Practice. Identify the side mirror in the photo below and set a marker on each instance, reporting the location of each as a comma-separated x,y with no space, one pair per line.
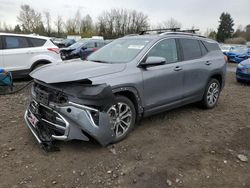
153,61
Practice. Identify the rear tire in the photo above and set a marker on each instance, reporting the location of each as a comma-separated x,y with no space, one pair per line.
122,117
211,95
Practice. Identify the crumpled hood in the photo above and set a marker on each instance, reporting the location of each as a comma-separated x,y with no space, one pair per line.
75,71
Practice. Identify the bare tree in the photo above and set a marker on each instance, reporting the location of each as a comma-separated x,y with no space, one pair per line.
119,22
87,26
171,23
59,25
72,25
29,19
48,22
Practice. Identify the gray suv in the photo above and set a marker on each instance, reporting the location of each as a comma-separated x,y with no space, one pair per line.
130,78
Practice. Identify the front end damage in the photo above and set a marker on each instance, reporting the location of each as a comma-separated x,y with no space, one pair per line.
71,110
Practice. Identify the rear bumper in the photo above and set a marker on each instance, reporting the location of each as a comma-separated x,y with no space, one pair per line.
72,121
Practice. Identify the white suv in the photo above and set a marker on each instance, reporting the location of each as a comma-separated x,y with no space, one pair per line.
21,54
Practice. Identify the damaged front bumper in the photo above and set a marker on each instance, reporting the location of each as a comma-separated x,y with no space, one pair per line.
49,121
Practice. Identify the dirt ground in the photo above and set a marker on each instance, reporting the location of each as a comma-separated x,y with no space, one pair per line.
186,147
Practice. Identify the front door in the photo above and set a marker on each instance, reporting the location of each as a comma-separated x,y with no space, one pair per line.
163,84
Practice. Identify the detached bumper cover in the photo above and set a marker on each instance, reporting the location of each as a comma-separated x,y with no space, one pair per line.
68,113
72,121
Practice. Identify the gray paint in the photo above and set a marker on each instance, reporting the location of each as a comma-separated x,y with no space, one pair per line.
157,88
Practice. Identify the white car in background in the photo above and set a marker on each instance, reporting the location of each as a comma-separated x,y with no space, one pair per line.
226,48
21,54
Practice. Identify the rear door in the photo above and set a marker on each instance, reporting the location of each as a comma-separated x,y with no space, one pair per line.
17,53
163,84
195,70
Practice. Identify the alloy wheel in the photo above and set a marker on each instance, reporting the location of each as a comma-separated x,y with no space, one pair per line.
212,94
120,118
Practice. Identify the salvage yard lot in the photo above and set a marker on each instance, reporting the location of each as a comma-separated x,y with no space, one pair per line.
185,147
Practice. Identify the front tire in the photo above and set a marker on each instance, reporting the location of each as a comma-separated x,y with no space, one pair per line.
211,95
122,117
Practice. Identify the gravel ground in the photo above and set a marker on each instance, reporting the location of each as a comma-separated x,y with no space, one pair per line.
186,147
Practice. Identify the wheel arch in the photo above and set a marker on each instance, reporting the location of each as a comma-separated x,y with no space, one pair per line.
132,94
39,62
218,77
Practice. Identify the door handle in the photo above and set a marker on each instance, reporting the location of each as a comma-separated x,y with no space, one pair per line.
208,63
178,68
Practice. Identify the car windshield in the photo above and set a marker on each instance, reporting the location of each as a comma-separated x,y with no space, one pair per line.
119,51
78,44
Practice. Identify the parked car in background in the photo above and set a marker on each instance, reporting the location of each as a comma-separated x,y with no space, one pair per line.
86,50
81,49
62,43
238,54
68,42
243,71
132,77
21,54
226,48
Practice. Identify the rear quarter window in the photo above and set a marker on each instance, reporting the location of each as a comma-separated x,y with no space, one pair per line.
211,46
190,49
37,42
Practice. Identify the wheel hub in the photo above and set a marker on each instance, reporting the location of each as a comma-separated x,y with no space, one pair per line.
120,116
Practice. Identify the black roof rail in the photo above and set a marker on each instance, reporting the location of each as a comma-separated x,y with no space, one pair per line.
130,35
183,33
190,30
158,31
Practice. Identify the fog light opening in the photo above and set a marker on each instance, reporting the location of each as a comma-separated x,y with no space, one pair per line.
69,110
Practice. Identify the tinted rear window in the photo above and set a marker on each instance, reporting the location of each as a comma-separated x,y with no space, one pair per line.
190,48
37,42
1,46
211,46
13,42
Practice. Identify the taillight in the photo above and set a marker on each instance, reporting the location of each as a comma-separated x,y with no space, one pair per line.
226,59
94,49
56,50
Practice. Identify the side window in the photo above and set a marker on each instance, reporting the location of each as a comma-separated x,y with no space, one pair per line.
90,45
211,46
203,48
190,49
100,44
12,42
1,44
37,42
165,48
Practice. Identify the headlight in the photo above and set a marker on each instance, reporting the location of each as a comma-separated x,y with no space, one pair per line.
240,66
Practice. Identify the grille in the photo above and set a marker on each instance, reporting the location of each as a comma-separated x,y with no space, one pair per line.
48,118
44,94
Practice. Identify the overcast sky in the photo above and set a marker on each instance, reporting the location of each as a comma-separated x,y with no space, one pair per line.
200,13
